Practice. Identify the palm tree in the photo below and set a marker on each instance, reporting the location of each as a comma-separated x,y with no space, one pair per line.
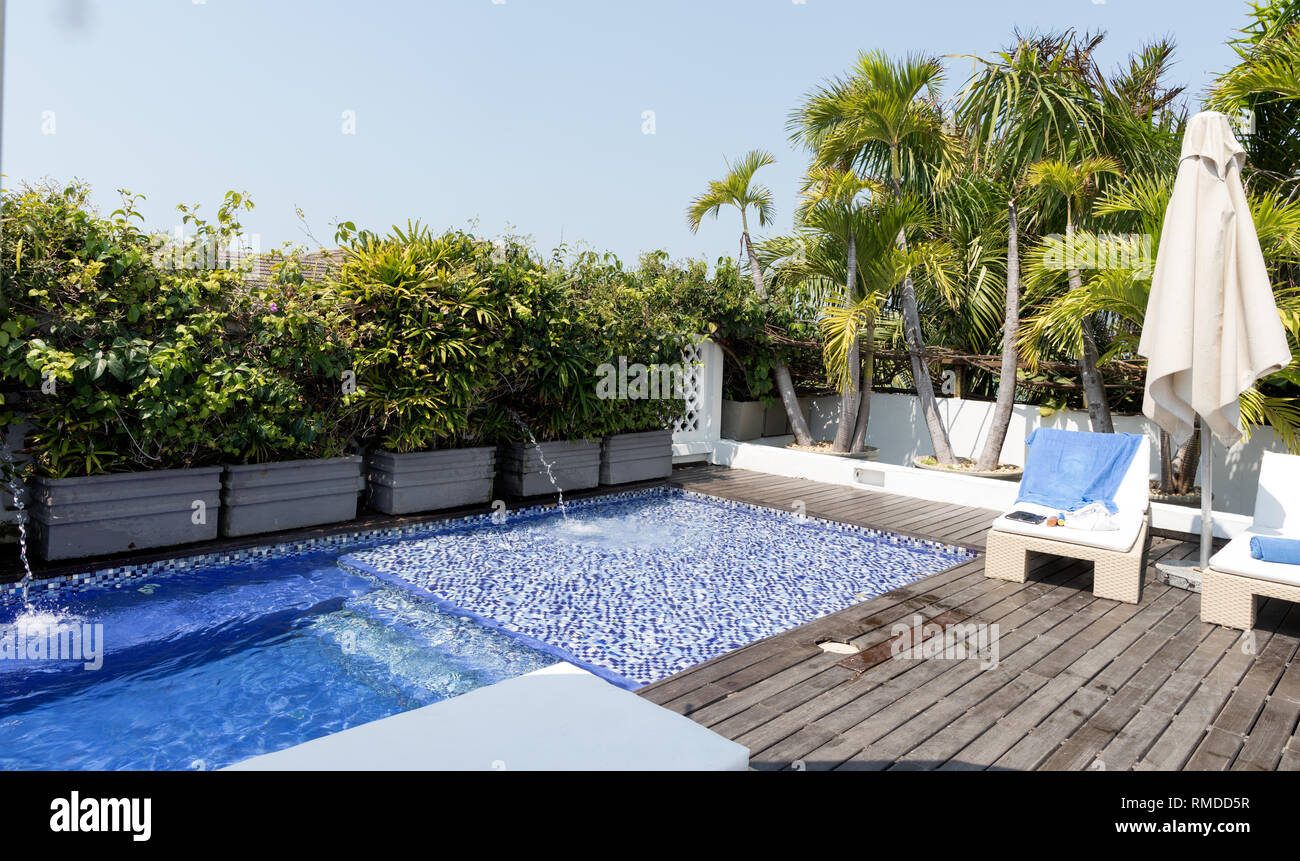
1266,82
1120,287
1006,400
738,189
1075,182
885,121
831,199
815,261
1028,102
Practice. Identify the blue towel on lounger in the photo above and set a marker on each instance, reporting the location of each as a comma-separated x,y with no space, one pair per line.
1284,550
1067,470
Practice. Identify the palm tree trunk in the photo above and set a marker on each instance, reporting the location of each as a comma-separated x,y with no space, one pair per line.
1094,389
1166,463
1189,458
921,376
784,384
988,459
850,397
864,399
755,273
920,371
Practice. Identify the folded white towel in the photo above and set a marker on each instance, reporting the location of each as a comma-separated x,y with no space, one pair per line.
1093,517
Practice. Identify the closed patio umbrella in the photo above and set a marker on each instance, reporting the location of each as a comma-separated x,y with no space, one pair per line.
1212,327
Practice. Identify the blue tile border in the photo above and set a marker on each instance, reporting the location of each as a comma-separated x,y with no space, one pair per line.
120,576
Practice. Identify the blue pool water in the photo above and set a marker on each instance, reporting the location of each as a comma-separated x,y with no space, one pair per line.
210,661
210,667
644,586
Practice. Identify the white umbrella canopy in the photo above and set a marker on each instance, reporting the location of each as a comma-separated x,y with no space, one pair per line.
1212,327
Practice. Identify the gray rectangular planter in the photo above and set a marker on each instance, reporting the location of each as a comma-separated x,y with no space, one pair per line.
636,457
777,423
268,497
824,418
742,420
574,463
430,480
74,517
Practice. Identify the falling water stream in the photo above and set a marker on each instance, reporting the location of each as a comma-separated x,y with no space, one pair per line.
15,487
541,455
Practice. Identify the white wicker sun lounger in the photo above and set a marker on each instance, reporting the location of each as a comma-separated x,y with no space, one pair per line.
1118,555
1235,578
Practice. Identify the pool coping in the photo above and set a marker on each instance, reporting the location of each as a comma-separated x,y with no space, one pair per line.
556,718
115,577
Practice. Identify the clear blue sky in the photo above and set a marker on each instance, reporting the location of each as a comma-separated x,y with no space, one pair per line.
523,114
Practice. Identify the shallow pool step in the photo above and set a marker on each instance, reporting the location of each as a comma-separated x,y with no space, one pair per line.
398,644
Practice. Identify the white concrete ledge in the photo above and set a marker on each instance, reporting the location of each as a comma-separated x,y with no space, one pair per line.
561,718
768,456
692,452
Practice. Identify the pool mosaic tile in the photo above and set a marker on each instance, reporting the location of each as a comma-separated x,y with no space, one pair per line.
642,585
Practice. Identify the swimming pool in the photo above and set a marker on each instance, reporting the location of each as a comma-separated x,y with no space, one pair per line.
226,662
211,660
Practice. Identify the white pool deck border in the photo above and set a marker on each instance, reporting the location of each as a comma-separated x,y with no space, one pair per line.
560,718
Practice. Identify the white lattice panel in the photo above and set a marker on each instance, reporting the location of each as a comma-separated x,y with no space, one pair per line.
686,427
696,430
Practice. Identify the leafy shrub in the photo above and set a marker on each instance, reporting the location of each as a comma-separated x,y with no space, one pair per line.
434,316
754,334
629,319
554,351
123,363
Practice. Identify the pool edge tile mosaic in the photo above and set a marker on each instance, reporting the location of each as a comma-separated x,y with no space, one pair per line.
113,576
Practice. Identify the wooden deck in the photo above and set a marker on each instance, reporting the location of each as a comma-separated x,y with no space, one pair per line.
1082,683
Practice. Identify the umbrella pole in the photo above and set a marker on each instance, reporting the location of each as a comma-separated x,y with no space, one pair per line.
1207,496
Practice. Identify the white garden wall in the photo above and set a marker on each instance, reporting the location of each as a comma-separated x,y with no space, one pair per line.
898,430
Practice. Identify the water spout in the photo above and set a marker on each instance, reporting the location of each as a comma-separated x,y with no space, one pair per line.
15,488
550,474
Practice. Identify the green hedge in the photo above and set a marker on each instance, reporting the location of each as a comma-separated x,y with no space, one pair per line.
123,361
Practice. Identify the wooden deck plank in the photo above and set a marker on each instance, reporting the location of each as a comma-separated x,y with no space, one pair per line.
1275,728
764,694
991,695
830,689
1028,698
1081,682
923,683
1132,677
1152,716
